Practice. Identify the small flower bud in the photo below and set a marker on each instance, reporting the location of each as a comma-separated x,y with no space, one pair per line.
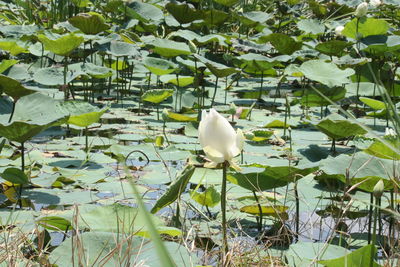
232,109
361,10
375,3
338,30
390,132
378,189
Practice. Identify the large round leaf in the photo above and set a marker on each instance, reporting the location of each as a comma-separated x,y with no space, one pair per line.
339,128
106,249
168,48
157,95
333,47
180,81
81,114
13,87
89,23
183,13
21,132
144,12
12,46
364,170
122,218
159,66
325,73
55,76
365,27
270,178
282,42
63,45
15,176
7,63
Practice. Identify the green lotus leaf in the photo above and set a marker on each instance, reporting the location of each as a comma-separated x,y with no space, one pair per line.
381,150
311,98
312,26
13,88
89,23
254,17
282,42
6,64
55,223
339,128
333,47
122,49
364,170
20,131
183,13
210,197
81,114
214,17
175,189
359,257
273,211
159,66
55,76
157,95
364,27
15,176
227,3
373,103
269,178
143,12
180,81
168,48
13,47
95,71
103,245
325,73
63,45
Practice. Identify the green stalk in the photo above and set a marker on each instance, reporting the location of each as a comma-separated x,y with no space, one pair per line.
296,193
259,221
261,87
22,156
65,79
223,210
371,204
215,92
377,200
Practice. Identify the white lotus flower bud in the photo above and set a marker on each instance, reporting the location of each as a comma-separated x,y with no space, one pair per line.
218,139
361,10
390,132
338,30
375,3
378,189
